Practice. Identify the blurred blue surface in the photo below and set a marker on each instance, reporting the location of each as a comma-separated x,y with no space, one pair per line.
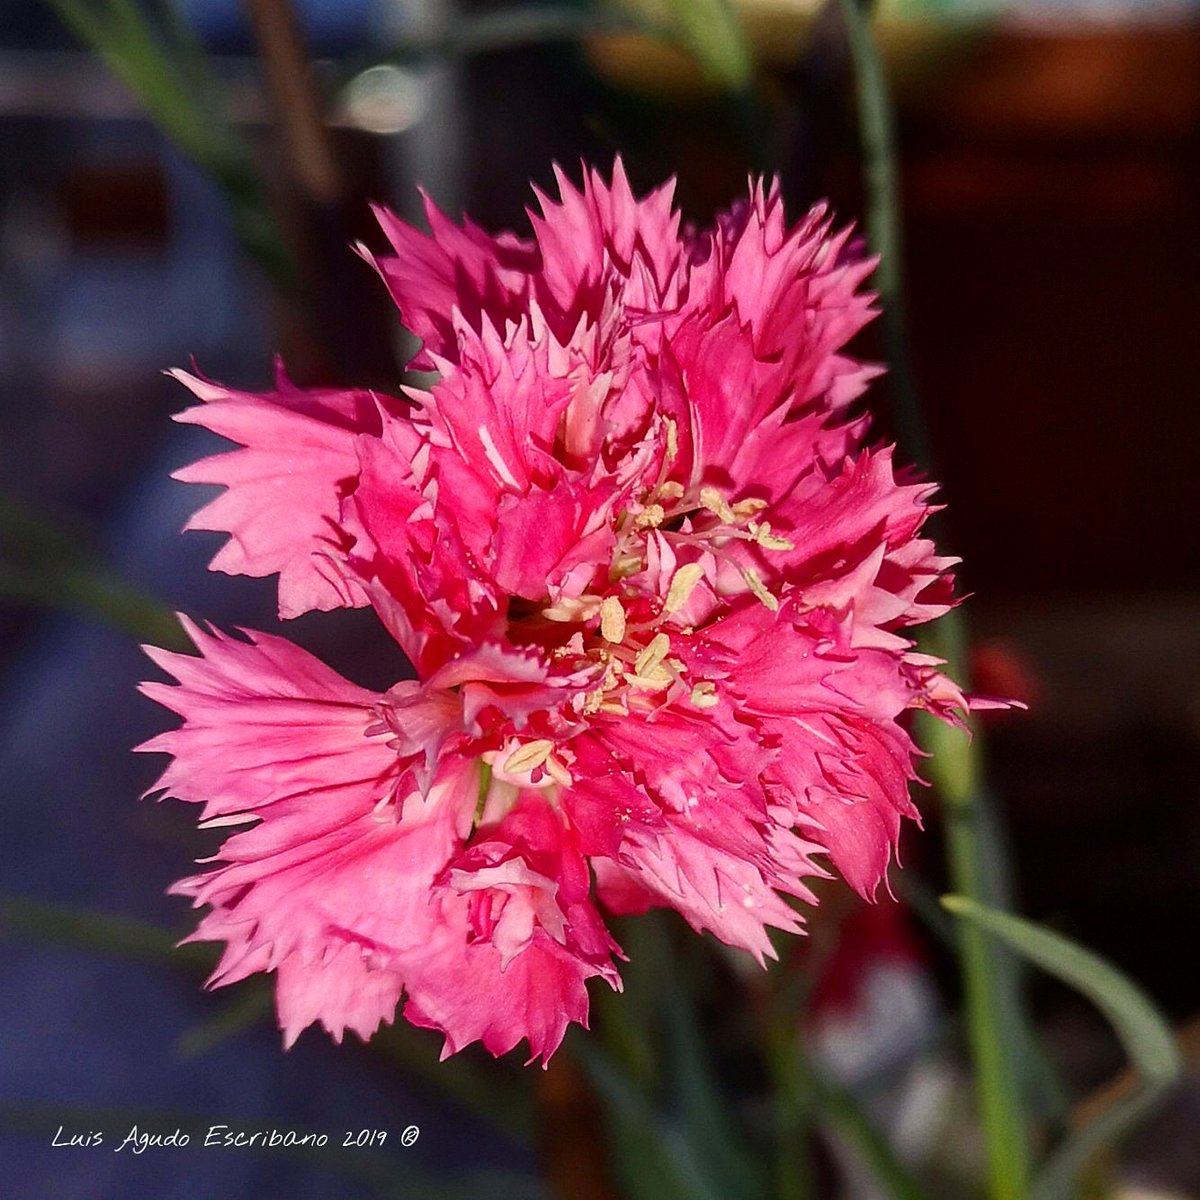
84,427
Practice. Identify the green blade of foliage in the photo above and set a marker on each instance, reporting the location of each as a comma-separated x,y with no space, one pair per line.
804,1096
993,999
793,1122
510,28
652,1157
708,31
696,1093
664,1087
1143,1032
1058,1177
488,1089
83,929
844,1116
94,593
253,1003
42,565
169,75
712,31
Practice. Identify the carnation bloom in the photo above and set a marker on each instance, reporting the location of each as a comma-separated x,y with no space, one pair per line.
655,588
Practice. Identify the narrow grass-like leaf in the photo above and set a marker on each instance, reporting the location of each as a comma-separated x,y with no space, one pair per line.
653,1158
488,1090
84,929
43,565
707,1122
1143,1032
253,1003
503,1103
167,72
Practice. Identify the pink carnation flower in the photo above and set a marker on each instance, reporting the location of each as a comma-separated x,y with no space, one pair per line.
656,590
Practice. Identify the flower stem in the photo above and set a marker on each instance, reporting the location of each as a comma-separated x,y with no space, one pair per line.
954,770
976,858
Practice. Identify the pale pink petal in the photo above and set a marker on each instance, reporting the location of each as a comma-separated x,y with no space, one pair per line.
284,487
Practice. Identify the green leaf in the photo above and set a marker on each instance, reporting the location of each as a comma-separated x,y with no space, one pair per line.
1143,1032
710,1127
506,29
652,1157
669,1127
170,76
841,1112
485,1087
712,31
42,565
84,929
253,1002
488,1091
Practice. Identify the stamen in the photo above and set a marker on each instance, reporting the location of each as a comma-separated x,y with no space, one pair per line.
528,757
704,694
651,517
612,620
766,539
717,504
657,680
749,506
672,440
683,583
558,772
658,649
755,584
573,608
624,565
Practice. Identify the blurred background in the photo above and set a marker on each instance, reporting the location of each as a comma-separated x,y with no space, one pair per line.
1051,196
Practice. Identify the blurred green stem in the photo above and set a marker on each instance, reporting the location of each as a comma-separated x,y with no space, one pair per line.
877,134
805,1096
793,1123
975,856
954,772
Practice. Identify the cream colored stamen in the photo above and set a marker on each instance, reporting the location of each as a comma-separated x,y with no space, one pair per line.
766,539
749,507
657,680
672,441
683,583
573,608
612,620
704,694
658,649
755,584
717,504
528,757
558,772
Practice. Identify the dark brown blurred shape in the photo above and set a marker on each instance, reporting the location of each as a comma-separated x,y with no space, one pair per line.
1053,194
124,202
